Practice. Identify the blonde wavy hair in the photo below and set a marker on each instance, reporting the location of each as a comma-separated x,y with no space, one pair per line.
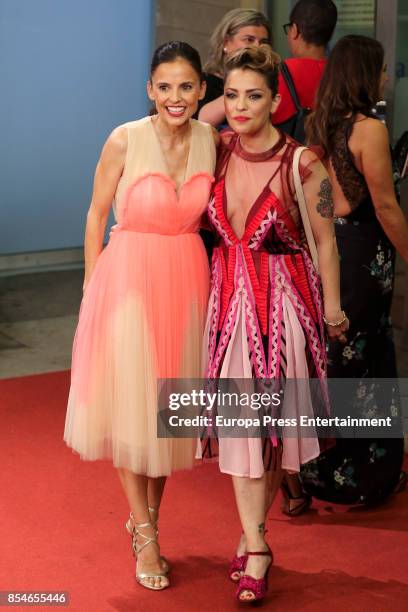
230,24
259,59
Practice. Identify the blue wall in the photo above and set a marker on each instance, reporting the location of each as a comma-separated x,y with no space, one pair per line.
70,71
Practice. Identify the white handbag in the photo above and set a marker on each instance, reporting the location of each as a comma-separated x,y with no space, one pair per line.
303,207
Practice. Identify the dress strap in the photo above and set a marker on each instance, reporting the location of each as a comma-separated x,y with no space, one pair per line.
303,207
227,145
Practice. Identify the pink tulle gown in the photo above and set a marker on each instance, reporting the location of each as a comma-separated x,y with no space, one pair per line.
143,312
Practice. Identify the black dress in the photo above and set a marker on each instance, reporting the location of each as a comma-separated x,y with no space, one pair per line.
215,89
361,471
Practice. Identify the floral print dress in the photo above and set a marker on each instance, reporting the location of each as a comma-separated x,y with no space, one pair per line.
361,470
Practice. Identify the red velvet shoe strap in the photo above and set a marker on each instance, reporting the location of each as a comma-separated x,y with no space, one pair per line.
238,564
257,586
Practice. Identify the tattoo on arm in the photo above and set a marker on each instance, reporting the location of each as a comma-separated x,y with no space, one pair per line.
325,205
261,527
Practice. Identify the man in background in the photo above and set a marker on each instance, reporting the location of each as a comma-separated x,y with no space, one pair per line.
310,28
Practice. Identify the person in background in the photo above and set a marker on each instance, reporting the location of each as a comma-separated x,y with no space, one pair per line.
370,226
238,28
309,30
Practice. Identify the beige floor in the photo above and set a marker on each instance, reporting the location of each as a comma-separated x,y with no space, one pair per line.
43,346
38,317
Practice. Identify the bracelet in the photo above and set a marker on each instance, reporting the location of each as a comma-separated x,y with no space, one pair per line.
337,323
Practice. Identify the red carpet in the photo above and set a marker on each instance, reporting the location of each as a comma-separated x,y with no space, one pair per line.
62,529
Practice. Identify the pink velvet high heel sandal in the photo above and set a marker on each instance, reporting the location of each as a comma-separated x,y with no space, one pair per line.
238,564
257,586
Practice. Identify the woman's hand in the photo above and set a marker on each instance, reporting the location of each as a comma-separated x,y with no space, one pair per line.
337,325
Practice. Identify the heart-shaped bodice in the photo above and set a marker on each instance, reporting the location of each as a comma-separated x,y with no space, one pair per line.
147,199
151,204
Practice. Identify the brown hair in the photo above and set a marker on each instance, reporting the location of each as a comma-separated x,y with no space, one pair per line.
259,59
230,24
350,85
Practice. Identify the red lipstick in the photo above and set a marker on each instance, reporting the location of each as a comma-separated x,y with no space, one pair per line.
241,118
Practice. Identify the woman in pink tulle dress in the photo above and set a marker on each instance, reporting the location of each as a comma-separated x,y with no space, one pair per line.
268,307
145,295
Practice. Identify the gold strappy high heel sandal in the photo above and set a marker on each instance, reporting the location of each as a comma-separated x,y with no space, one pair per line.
142,577
129,525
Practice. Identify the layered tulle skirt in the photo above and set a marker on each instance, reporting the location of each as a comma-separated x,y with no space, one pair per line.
141,319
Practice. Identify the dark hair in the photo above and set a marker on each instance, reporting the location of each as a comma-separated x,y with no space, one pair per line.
350,85
315,19
259,59
171,51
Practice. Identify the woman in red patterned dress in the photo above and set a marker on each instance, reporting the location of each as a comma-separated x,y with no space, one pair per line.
268,307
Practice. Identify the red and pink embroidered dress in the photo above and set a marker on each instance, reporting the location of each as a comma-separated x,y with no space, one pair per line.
265,309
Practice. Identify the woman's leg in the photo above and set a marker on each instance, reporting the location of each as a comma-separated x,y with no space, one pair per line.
136,489
155,488
273,482
295,500
250,495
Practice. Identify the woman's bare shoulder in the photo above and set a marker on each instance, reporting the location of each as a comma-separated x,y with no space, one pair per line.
370,129
310,162
208,128
226,136
369,138
115,146
118,137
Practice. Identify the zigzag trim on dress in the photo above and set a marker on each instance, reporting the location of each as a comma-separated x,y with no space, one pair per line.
307,323
263,229
252,325
215,221
275,320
